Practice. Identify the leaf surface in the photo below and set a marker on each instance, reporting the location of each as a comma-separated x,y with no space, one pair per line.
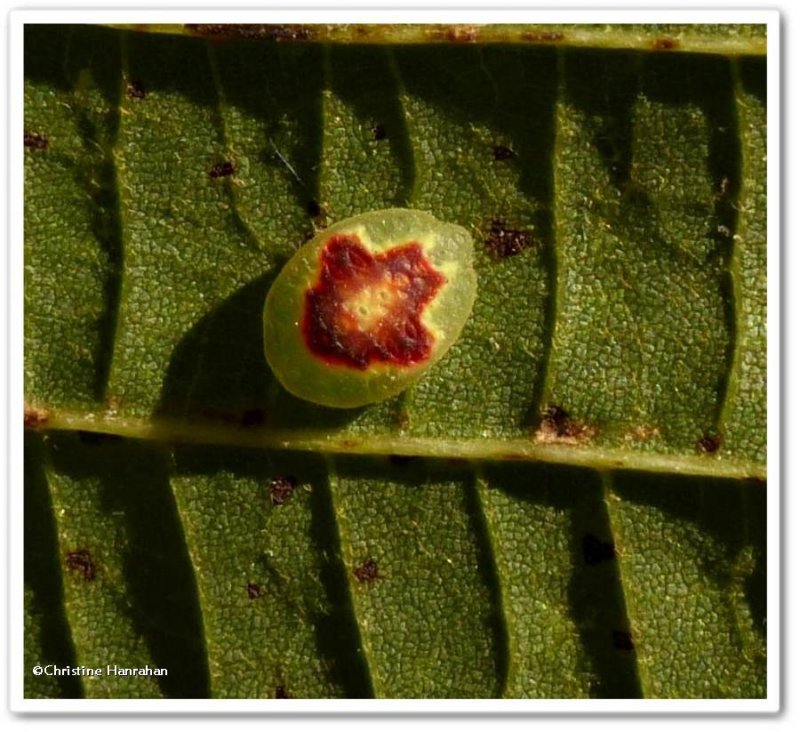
570,504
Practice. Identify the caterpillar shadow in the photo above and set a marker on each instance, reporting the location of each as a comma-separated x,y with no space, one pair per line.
218,372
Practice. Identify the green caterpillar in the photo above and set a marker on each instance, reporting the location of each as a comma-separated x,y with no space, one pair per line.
367,306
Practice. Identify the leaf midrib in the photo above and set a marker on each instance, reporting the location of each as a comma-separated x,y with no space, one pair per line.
610,37
200,432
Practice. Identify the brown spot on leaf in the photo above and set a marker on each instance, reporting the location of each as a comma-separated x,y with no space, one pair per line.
36,141
504,241
453,33
556,425
665,44
642,433
278,32
35,417
556,419
253,590
81,561
221,170
367,571
709,443
281,488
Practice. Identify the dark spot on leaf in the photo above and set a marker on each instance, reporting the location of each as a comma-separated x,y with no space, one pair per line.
503,241
367,572
253,418
35,417
281,488
557,425
135,90
710,443
81,561
222,170
254,30
379,132
549,36
290,33
35,140
622,640
665,44
453,33
595,550
96,438
281,693
501,152
253,590
556,418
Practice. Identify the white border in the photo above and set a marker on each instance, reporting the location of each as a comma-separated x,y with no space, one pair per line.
327,14
367,15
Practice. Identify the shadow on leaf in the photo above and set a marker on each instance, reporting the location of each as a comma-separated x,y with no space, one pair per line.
218,372
159,594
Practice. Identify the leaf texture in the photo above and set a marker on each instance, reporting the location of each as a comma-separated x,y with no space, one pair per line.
571,504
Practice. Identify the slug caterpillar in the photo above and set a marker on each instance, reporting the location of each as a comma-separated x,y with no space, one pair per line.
366,307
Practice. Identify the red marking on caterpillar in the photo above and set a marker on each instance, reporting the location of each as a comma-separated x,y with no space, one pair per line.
363,310
366,308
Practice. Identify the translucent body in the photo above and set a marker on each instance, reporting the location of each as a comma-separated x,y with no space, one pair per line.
367,306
